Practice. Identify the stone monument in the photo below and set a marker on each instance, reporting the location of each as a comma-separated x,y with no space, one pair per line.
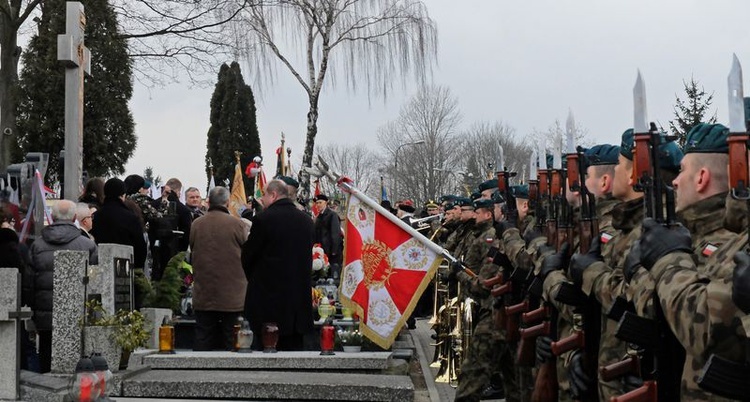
10,330
77,60
113,277
67,309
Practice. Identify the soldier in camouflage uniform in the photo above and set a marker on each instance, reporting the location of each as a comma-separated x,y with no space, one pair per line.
466,218
701,190
601,275
513,232
483,350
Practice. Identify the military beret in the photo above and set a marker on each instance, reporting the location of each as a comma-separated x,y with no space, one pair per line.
475,195
484,203
430,204
521,191
320,197
627,143
406,206
488,185
497,198
464,202
448,198
449,205
602,154
707,138
551,161
289,181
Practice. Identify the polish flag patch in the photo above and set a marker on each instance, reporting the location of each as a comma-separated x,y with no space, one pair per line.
709,249
605,237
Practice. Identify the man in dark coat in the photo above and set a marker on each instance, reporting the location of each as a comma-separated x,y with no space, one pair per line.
115,223
277,259
328,234
61,235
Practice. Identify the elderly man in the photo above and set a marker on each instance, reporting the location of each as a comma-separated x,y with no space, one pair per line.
61,235
277,259
216,241
84,218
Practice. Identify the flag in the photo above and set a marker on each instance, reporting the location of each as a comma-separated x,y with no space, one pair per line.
238,198
387,266
260,184
383,194
315,210
280,161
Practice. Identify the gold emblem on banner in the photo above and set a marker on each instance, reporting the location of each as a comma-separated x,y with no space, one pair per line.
376,264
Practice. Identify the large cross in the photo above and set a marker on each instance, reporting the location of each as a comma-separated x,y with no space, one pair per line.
77,60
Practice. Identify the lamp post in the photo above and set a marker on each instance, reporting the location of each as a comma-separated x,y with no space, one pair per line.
395,165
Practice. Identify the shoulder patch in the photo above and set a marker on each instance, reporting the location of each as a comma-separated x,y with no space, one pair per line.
709,249
605,237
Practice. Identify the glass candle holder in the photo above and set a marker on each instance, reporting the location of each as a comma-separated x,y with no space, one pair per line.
270,337
166,339
235,332
245,338
327,337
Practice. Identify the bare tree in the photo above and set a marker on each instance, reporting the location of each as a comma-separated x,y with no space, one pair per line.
554,137
377,42
166,38
481,151
357,162
417,170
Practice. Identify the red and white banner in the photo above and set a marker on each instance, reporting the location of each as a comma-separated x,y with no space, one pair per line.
387,266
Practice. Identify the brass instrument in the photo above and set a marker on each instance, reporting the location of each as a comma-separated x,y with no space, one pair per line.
423,224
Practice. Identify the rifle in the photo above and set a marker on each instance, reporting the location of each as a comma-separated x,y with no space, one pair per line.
503,183
654,335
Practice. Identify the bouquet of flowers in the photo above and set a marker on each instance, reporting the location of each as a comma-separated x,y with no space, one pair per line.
320,262
351,337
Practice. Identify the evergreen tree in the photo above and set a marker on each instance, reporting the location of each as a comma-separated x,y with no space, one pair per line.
148,174
690,111
108,130
233,126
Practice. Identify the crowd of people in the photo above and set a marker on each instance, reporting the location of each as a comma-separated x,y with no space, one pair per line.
257,266
686,276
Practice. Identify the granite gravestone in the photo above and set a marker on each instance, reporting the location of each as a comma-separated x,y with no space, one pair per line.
113,277
10,327
67,309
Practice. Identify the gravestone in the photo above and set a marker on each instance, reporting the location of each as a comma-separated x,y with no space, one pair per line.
67,309
113,277
10,353
77,60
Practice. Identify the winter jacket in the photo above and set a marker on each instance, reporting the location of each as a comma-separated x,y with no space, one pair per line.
328,234
115,223
58,236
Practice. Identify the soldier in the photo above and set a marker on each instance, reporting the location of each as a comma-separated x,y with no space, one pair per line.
518,226
487,188
701,190
455,241
484,349
602,275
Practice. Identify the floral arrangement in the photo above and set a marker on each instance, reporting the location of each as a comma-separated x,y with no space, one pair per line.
319,259
351,337
132,331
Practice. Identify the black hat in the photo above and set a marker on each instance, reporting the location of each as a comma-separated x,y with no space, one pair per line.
484,203
487,185
406,206
290,181
133,183
320,197
114,188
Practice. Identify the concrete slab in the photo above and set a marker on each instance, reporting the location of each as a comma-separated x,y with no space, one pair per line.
189,360
278,385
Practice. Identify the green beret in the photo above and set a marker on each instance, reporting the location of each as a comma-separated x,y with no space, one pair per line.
488,185
484,203
497,198
551,161
448,198
475,195
670,156
449,205
289,181
707,138
464,202
602,154
521,191
627,144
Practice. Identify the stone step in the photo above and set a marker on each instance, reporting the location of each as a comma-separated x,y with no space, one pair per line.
268,385
283,361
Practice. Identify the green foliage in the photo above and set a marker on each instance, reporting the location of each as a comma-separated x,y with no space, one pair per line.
166,292
148,174
131,332
233,126
108,133
691,111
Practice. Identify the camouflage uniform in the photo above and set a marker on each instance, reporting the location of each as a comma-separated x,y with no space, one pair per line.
486,347
521,254
606,282
695,293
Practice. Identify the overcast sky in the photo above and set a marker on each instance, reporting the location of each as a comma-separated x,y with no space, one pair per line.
523,62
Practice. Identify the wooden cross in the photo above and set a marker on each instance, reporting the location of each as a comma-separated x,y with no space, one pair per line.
77,60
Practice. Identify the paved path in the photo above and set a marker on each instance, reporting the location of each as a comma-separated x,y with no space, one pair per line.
439,392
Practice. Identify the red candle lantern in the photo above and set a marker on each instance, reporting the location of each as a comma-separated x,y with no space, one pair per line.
327,337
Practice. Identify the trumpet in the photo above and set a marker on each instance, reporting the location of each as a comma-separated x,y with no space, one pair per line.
421,224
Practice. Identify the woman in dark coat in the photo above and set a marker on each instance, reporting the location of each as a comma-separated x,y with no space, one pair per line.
277,259
115,223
